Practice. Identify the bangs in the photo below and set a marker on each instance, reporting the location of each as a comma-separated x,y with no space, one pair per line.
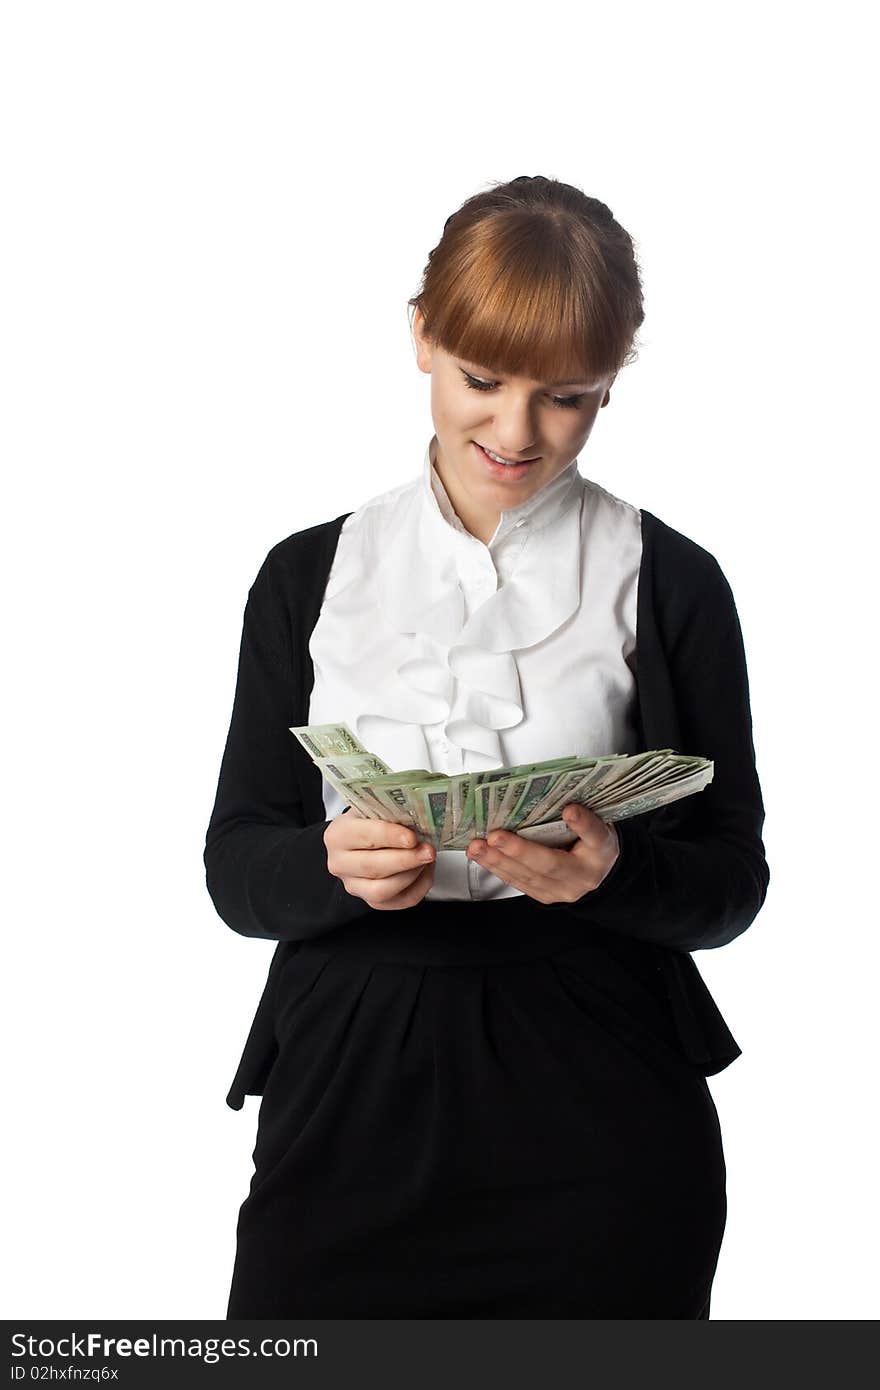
530,309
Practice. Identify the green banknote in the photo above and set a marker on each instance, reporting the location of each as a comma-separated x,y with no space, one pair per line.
450,811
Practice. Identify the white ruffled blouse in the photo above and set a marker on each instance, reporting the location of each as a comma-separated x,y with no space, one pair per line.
444,653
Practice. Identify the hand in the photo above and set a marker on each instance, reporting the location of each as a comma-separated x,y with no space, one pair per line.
552,875
385,864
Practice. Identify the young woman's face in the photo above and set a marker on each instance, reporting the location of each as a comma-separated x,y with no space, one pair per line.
515,417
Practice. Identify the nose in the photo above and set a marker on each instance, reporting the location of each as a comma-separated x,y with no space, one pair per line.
514,430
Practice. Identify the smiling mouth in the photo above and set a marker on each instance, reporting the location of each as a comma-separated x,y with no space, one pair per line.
499,458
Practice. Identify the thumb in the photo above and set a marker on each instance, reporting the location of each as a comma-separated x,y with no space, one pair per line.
582,820
596,834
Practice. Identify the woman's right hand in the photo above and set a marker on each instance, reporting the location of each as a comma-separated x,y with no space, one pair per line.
385,864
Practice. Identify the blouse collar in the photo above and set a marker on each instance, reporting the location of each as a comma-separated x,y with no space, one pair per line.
423,555
458,669
535,512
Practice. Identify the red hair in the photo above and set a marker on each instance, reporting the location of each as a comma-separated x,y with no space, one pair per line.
533,277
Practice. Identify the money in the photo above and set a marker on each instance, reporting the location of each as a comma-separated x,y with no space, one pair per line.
450,811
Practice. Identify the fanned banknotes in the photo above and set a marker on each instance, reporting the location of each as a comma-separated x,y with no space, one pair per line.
450,811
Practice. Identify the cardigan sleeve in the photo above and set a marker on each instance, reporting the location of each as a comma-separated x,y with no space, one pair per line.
266,869
693,874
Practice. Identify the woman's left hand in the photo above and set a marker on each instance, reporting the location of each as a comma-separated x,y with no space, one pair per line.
552,875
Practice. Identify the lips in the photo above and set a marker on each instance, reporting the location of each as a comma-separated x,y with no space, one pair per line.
504,456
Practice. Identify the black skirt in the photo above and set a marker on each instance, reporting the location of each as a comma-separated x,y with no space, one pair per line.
477,1111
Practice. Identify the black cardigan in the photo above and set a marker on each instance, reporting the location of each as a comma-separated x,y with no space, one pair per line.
690,876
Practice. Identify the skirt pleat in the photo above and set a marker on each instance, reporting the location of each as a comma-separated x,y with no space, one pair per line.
477,1112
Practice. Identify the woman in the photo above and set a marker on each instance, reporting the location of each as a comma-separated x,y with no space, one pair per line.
483,1072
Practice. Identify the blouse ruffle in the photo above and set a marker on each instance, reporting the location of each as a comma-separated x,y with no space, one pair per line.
421,660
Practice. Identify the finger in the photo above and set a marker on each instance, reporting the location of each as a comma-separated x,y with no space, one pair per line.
364,832
410,893
386,863
388,886
589,827
518,861
598,844
537,858
533,859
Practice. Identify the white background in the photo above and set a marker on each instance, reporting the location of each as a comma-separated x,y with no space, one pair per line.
214,216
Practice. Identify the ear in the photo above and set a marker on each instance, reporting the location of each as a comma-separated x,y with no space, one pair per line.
607,397
422,341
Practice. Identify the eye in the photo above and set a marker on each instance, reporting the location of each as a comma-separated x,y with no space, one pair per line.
477,384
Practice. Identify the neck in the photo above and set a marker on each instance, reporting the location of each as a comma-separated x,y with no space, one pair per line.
478,521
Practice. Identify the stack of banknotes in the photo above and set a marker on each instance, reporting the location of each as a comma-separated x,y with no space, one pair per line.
450,811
